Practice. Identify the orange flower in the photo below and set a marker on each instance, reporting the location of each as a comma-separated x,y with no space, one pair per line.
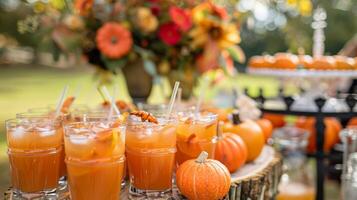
113,40
83,6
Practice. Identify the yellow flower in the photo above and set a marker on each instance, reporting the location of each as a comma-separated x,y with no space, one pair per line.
292,2
39,7
145,20
57,4
199,12
305,7
224,33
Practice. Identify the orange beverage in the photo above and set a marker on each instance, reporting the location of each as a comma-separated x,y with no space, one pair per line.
196,133
47,113
94,159
150,150
295,191
34,150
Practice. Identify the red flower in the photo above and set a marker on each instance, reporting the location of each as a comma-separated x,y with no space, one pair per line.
169,33
181,18
155,9
113,40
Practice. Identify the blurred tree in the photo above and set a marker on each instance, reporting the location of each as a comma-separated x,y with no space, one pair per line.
8,23
269,26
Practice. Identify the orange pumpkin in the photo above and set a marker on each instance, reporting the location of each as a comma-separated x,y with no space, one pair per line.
305,61
332,129
231,151
343,62
203,178
266,126
222,113
352,122
261,62
286,61
276,119
251,134
323,63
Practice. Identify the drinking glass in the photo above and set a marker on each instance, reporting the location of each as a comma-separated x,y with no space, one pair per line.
150,150
34,151
62,119
349,173
95,159
196,132
296,182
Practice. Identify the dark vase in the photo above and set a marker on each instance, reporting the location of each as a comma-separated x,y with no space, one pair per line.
138,81
188,80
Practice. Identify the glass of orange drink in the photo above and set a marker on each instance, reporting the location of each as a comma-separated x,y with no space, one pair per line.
34,151
95,159
63,118
150,151
196,132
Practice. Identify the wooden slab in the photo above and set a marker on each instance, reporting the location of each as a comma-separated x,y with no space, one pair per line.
256,180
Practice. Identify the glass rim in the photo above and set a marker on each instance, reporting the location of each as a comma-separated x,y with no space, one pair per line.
350,131
162,119
88,127
14,122
302,133
208,115
32,115
101,115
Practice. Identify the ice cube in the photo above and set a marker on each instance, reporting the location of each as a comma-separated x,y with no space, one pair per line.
18,132
80,139
45,131
145,134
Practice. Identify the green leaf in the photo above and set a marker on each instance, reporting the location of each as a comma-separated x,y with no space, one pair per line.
150,67
236,53
114,64
56,52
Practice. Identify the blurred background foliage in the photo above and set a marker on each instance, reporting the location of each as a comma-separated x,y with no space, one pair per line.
268,26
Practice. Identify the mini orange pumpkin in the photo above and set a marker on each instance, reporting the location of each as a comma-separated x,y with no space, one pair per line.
251,134
343,62
323,63
276,119
286,61
231,151
332,129
305,61
261,62
352,122
203,178
266,126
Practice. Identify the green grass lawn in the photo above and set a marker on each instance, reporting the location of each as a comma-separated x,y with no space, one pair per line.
24,87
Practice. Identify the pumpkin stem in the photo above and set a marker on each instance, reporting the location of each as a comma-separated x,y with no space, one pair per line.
220,129
202,157
235,116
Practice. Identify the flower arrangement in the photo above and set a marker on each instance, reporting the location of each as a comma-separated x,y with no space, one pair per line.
169,36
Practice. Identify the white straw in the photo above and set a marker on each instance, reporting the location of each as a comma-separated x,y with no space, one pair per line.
179,96
173,98
61,100
112,102
200,97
